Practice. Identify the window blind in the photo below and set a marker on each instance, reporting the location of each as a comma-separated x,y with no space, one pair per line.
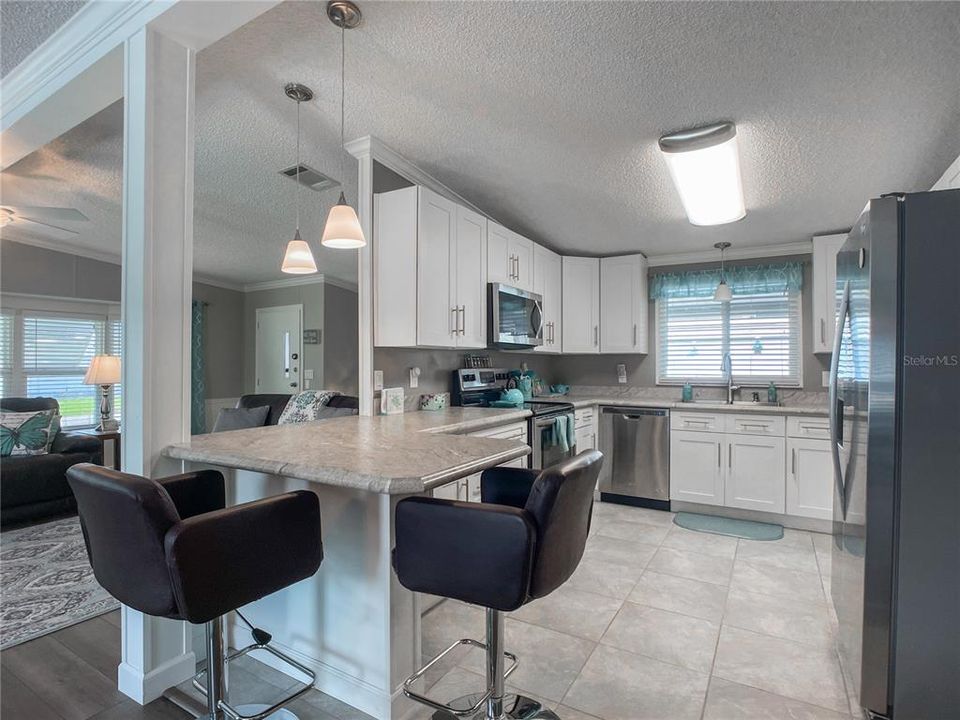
6,351
762,333
115,347
57,350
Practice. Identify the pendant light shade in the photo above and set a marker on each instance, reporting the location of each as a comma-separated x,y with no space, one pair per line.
298,259
723,292
343,231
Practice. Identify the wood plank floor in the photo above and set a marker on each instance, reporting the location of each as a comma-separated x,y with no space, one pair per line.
71,675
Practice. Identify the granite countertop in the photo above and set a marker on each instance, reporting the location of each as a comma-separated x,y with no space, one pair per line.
391,454
580,401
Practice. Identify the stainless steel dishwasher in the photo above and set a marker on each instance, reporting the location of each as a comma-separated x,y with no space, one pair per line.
635,443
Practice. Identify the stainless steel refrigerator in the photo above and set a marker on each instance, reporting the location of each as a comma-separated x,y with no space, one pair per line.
895,426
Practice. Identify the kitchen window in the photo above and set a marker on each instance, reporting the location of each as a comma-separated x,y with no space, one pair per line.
46,353
760,328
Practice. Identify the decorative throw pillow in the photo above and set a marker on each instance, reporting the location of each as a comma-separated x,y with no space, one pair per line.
326,412
240,418
28,433
304,406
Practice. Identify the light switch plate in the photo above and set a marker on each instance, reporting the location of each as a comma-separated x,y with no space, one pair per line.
378,379
414,377
308,373
825,378
622,374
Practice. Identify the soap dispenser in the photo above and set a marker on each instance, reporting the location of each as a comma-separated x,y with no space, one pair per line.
771,393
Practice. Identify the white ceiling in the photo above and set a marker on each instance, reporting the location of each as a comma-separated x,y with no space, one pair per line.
25,24
546,116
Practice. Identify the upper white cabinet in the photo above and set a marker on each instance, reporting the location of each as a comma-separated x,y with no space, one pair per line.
547,282
581,305
429,271
825,249
623,304
509,257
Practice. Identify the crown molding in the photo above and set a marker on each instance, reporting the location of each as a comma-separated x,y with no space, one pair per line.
217,282
803,247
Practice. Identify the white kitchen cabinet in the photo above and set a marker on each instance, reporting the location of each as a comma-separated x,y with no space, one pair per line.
581,305
547,282
471,280
623,304
696,472
825,249
809,487
450,491
429,272
585,428
509,257
754,467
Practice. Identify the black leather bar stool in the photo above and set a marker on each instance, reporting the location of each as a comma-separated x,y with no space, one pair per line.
170,548
521,542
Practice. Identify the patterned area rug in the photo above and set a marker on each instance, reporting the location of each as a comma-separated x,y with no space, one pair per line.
46,582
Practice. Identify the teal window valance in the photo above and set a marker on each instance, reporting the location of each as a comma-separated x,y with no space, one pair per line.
742,279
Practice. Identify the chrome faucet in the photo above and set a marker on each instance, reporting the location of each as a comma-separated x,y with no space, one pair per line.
726,367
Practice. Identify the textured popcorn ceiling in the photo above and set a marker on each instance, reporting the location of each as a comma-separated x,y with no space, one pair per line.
25,24
546,116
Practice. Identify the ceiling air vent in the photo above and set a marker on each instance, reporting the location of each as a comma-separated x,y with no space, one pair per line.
313,179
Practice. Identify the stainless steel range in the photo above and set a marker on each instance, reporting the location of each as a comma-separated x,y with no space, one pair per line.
480,387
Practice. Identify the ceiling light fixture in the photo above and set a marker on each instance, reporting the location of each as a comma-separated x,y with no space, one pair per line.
722,293
705,166
6,216
298,258
343,230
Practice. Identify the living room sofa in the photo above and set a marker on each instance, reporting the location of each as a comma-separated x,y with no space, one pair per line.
277,402
33,487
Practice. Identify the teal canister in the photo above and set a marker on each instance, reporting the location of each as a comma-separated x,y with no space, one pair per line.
525,385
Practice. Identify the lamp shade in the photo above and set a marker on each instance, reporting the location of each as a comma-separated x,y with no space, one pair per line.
723,293
343,230
103,370
298,259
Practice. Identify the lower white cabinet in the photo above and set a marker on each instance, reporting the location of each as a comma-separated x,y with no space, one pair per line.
809,478
696,469
753,472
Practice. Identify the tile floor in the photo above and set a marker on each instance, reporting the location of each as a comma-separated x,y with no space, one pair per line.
668,624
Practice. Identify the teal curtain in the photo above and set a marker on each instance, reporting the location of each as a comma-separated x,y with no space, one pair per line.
197,390
742,279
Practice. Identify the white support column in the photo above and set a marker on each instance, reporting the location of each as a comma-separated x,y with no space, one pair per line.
158,141
361,149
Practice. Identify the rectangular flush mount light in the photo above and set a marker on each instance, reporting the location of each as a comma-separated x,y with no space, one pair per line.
705,166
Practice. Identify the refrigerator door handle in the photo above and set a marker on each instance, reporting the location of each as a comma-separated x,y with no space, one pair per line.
836,403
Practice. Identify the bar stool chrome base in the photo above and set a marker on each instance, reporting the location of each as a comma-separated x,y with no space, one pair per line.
515,707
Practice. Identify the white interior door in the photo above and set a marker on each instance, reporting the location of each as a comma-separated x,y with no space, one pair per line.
279,349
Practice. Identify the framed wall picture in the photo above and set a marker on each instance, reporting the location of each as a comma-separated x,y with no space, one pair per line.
312,337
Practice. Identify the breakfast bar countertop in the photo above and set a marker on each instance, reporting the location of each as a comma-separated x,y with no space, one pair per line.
388,454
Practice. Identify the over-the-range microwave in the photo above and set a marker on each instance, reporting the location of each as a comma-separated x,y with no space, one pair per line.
515,317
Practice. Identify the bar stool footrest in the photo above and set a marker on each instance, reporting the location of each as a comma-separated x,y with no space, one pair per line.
435,704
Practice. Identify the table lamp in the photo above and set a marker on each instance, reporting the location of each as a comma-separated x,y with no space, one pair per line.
104,371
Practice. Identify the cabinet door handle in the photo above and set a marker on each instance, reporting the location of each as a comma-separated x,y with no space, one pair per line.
718,455
697,423
823,331
596,334
463,319
730,455
634,335
456,323
793,461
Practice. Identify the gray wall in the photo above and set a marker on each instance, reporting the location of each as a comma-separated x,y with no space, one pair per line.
641,369
341,340
223,340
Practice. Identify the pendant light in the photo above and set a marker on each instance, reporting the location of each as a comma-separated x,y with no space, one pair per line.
722,293
298,259
343,230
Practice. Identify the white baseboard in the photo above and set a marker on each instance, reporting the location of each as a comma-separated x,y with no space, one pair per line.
145,688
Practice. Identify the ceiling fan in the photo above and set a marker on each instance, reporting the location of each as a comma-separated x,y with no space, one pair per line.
49,221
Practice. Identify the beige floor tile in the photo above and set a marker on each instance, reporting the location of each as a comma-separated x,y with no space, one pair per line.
632,531
448,622
616,550
619,685
604,578
568,713
795,538
681,595
615,511
731,701
695,566
791,557
571,611
782,667
705,543
677,639
782,617
772,580
549,660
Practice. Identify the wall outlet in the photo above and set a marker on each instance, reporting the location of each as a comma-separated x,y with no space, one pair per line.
825,378
622,374
378,379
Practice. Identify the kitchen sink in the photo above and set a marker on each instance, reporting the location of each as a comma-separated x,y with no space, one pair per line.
736,403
